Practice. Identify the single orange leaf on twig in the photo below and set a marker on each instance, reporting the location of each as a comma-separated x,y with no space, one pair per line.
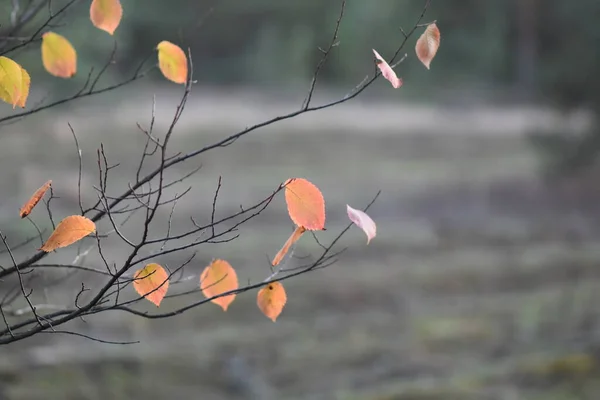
172,62
106,14
271,299
58,55
387,71
152,283
288,244
33,200
68,231
305,204
428,44
363,221
219,277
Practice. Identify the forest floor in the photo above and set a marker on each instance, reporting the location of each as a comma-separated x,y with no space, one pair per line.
482,283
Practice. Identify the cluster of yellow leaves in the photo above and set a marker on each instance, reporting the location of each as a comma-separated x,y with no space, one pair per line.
59,57
14,82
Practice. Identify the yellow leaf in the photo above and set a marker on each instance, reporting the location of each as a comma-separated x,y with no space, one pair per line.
151,282
219,277
172,62
288,243
25,84
58,55
271,299
14,82
68,231
33,200
106,14
305,204
428,44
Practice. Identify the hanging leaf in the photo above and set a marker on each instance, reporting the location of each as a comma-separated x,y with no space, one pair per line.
14,82
428,44
387,71
69,230
363,221
106,14
33,200
172,62
288,244
305,204
25,84
219,277
151,282
271,299
58,55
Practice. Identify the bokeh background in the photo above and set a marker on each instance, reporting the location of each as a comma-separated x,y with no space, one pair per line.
483,280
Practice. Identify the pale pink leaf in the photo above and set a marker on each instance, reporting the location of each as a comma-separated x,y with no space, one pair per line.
387,71
428,44
363,221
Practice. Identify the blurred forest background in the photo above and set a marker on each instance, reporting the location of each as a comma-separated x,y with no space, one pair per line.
483,282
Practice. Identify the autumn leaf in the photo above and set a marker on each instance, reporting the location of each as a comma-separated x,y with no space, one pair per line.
217,278
58,55
288,244
363,221
387,71
271,299
14,82
305,204
68,231
34,199
106,14
151,282
25,84
428,44
172,62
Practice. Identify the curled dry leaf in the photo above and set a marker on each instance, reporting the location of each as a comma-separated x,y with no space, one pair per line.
106,14
172,62
69,230
152,283
271,299
305,204
387,71
219,277
288,244
58,55
428,44
33,200
14,82
363,221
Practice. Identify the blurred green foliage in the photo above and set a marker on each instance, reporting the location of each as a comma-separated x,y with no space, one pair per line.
547,47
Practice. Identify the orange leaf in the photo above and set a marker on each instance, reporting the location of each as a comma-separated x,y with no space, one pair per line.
219,277
106,14
305,204
286,247
172,62
58,55
428,44
14,82
33,200
271,299
69,230
387,71
151,282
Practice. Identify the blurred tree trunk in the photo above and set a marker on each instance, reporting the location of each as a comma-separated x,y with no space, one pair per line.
527,37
